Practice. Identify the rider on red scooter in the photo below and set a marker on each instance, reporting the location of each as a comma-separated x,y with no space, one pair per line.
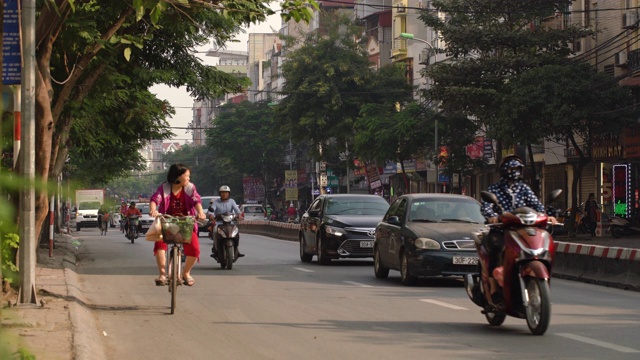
512,193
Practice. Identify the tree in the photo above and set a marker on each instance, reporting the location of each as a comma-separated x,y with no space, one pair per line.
491,42
81,40
244,134
576,105
325,83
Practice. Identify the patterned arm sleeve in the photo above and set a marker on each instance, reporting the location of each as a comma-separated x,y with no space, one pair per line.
487,210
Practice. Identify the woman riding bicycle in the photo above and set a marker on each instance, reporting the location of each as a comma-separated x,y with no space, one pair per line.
177,197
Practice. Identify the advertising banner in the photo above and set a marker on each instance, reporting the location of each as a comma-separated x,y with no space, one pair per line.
253,188
291,185
11,55
373,176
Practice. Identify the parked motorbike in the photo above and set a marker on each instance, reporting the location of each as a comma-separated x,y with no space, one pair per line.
525,272
226,240
558,228
620,226
132,228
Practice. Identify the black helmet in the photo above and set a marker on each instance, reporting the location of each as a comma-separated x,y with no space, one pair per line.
133,203
511,168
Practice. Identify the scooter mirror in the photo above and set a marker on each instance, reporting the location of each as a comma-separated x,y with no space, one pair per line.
489,197
554,195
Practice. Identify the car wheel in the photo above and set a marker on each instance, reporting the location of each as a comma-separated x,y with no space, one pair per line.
405,275
379,270
304,256
78,227
322,258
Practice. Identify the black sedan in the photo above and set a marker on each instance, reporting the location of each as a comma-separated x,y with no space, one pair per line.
340,226
428,235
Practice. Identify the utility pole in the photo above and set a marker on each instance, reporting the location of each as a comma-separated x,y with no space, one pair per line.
28,246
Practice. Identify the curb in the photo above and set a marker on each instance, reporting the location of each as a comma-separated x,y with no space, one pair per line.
87,342
609,266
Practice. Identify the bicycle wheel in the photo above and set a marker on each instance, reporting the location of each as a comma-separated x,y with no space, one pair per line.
175,275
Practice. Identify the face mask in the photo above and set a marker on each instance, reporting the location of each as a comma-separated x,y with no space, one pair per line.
513,174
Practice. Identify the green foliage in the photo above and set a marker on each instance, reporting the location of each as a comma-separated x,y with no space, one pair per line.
131,186
326,81
10,242
491,41
245,134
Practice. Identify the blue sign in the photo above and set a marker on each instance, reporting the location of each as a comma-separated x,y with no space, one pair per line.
443,178
11,59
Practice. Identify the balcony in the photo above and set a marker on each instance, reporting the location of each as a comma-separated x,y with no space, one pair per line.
399,49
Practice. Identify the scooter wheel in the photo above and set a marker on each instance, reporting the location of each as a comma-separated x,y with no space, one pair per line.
617,232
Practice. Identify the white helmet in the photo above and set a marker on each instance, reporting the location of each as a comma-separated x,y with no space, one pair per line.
224,188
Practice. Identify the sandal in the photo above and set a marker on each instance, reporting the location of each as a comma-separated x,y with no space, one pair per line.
161,281
189,281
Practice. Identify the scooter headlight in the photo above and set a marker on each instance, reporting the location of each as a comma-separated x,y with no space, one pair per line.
234,232
227,218
220,231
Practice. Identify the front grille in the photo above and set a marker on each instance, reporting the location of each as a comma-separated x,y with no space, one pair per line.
361,233
464,245
352,247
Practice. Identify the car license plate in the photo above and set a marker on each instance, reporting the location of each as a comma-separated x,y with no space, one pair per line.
145,226
366,244
465,260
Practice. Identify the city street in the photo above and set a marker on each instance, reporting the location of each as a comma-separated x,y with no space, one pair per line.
272,306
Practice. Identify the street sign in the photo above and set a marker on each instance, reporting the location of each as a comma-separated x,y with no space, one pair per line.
11,59
443,178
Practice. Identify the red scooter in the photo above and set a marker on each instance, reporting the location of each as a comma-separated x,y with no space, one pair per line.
525,272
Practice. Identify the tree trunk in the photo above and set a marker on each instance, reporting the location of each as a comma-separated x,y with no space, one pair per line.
535,184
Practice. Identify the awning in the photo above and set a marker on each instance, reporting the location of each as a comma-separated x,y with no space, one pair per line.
630,81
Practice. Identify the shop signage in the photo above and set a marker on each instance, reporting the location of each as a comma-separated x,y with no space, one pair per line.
632,144
604,152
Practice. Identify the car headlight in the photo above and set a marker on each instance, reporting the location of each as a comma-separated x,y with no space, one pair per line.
426,243
335,231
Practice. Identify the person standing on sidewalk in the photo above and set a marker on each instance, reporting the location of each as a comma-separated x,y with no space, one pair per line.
591,213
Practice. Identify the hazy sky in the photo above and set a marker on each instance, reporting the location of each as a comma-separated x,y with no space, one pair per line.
179,97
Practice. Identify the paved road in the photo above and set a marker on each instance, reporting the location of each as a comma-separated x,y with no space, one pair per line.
272,306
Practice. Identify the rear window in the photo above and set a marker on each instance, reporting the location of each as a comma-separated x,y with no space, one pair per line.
253,209
365,205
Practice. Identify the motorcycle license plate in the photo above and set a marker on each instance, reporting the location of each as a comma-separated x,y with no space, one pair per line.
465,260
366,244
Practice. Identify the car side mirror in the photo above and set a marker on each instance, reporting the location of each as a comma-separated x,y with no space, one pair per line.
393,220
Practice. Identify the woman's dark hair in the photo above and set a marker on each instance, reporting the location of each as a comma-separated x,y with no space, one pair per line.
175,171
591,194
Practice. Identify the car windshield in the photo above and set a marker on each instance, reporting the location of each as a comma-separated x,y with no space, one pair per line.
144,209
446,210
373,205
253,209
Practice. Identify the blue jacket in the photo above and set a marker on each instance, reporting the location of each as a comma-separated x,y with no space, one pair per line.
511,197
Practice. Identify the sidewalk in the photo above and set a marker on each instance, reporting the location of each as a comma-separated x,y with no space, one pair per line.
61,326
630,242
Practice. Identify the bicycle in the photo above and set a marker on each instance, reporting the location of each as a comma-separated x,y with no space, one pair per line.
176,231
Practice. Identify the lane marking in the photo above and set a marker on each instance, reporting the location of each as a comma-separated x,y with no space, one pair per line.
447,305
303,269
595,342
358,284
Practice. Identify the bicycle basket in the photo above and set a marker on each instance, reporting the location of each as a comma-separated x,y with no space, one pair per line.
177,229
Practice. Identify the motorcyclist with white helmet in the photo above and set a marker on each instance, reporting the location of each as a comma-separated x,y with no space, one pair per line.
220,206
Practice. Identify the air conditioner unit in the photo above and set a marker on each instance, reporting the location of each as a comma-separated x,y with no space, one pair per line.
629,18
621,58
401,9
